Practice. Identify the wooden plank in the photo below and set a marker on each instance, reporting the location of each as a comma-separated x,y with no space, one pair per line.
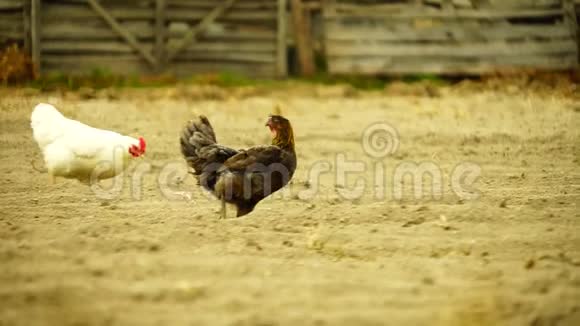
452,50
412,12
194,32
385,8
122,32
35,28
94,29
60,11
124,13
539,61
122,64
81,59
388,62
209,4
230,15
11,15
242,46
281,55
11,5
435,65
571,22
144,31
80,47
302,39
160,33
227,56
9,36
524,4
133,3
456,3
233,34
225,32
26,28
394,7
570,18
12,24
448,32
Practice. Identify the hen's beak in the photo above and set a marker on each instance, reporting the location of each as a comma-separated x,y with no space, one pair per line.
270,124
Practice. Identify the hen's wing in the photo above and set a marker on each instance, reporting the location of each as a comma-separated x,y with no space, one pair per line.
256,156
253,174
202,152
87,142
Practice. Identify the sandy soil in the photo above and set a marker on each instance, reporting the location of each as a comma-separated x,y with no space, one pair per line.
510,256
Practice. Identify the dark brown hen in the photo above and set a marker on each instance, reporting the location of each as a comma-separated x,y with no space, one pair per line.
243,177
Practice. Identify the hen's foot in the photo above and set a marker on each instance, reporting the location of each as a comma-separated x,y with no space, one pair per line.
223,210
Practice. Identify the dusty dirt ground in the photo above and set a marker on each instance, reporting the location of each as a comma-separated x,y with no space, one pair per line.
510,256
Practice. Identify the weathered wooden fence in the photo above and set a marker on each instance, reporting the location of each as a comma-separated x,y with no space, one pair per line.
137,36
185,37
13,22
449,36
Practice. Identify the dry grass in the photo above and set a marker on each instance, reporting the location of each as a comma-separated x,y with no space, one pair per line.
16,66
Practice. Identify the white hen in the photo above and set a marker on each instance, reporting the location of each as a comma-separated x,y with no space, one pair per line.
76,151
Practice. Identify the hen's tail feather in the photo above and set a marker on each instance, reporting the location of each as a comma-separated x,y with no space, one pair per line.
199,145
196,135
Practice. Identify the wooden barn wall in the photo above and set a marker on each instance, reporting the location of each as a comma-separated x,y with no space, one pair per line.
577,6
449,36
246,34
12,22
74,38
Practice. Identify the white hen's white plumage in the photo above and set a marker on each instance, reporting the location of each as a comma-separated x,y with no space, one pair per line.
74,150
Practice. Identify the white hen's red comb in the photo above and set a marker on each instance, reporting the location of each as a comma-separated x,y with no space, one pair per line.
142,144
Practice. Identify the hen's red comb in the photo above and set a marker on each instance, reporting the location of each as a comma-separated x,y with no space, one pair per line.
142,144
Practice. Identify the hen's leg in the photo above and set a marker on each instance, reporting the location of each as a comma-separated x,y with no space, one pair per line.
223,210
51,178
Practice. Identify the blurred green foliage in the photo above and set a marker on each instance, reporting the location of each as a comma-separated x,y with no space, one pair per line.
100,78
